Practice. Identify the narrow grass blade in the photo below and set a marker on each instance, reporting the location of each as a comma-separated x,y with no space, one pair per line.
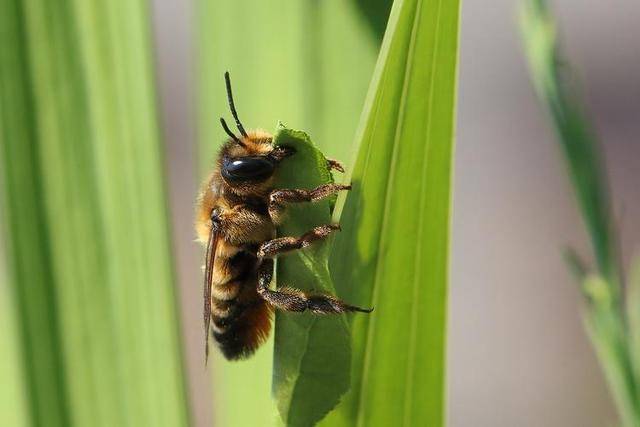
608,333
394,250
633,317
88,232
609,327
550,77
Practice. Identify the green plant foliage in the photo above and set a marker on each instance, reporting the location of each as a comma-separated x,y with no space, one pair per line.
394,249
612,327
312,353
85,206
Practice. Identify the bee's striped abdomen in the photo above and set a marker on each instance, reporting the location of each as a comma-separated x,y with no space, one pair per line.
241,320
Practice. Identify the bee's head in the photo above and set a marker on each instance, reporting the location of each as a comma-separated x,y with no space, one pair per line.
250,158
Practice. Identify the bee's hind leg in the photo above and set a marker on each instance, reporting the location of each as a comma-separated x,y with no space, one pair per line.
289,299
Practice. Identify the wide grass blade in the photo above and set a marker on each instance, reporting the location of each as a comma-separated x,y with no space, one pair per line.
86,213
394,250
25,230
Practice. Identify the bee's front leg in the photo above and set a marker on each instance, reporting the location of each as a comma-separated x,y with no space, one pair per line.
335,165
277,198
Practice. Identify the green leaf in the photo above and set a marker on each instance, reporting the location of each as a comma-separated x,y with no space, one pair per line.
87,236
394,249
312,356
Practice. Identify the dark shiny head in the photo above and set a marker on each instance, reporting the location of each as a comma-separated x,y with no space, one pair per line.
248,169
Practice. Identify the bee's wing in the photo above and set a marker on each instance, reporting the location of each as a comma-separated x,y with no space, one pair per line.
208,274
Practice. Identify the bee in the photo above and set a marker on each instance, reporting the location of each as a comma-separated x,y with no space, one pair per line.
236,217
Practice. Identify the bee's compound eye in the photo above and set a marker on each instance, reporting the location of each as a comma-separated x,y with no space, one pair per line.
251,168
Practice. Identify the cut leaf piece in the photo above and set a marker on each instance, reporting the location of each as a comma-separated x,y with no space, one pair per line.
311,354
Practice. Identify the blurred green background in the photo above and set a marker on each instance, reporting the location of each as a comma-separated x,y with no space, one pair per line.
112,112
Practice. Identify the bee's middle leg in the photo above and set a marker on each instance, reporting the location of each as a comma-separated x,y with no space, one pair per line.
335,165
278,198
271,248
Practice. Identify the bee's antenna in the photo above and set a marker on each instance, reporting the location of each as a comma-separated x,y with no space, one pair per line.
228,131
232,105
